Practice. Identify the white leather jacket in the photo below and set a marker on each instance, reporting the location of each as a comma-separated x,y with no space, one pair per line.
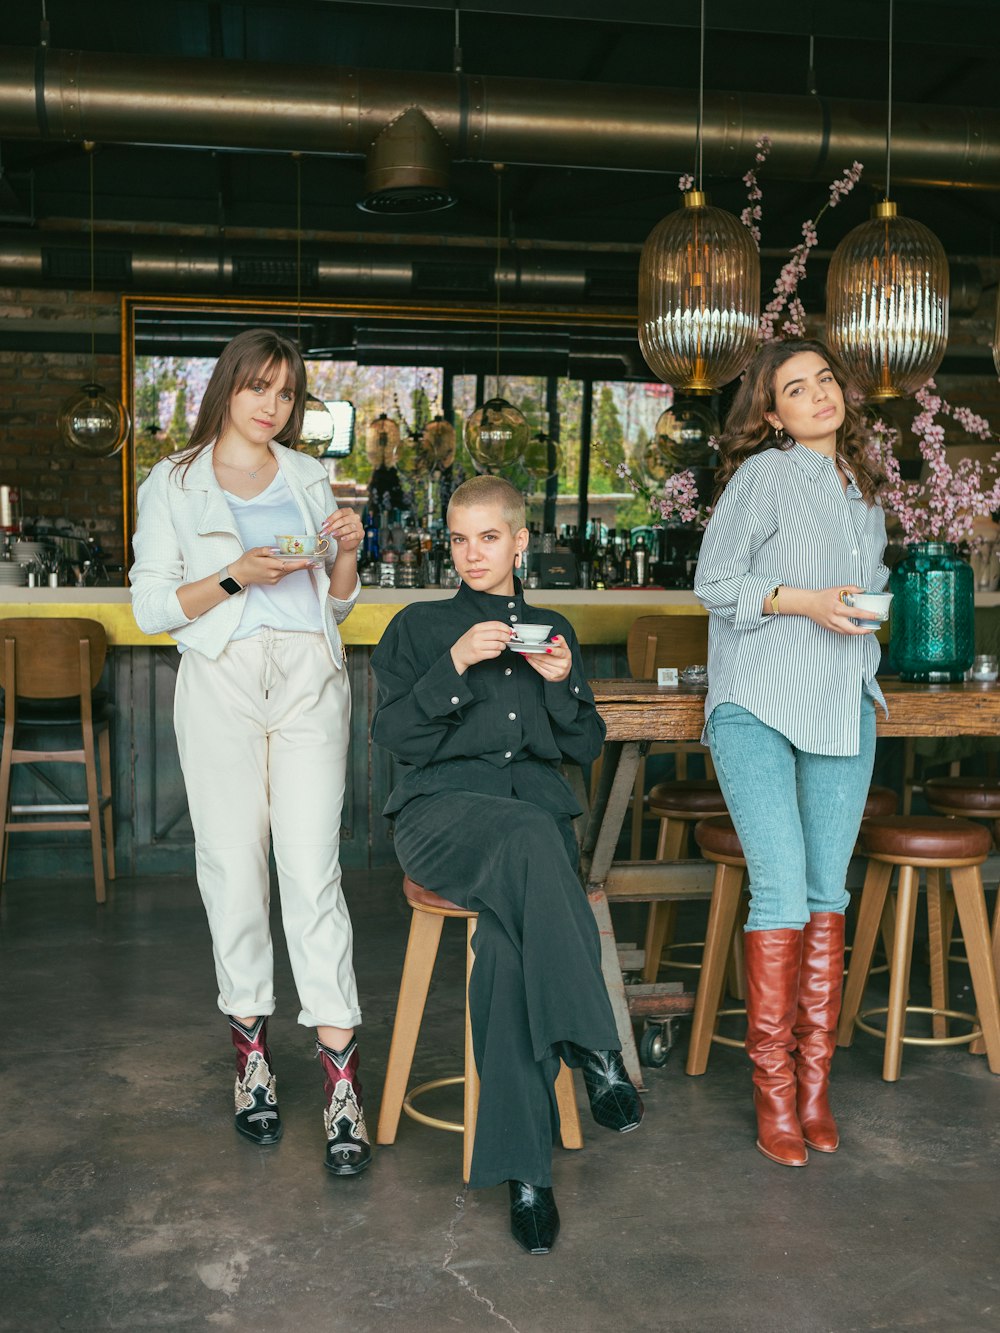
186,531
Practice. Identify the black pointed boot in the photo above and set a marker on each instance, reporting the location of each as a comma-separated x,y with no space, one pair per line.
348,1150
257,1116
614,1102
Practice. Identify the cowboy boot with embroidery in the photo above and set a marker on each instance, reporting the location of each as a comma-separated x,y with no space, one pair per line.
257,1115
348,1150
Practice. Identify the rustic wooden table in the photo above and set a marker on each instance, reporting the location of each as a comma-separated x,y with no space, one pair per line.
637,713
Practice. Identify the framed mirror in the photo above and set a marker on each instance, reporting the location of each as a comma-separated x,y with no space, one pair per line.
403,353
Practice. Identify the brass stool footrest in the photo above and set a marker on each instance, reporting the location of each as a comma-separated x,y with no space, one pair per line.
667,962
729,1041
454,1126
924,1041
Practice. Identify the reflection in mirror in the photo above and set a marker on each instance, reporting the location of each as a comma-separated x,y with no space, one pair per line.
343,413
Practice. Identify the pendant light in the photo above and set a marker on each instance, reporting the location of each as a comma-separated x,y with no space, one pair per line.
91,421
887,294
496,434
699,287
317,420
438,442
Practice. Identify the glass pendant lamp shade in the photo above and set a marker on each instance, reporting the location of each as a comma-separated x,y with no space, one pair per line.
439,442
887,303
699,296
317,427
684,431
496,435
382,441
542,457
93,423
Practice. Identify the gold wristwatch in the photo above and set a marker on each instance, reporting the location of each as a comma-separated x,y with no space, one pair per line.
774,598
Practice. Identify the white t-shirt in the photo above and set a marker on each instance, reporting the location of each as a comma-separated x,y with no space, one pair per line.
291,604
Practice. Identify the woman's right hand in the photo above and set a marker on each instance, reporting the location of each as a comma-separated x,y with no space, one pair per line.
259,565
487,639
825,608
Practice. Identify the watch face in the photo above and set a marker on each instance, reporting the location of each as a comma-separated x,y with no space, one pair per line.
230,585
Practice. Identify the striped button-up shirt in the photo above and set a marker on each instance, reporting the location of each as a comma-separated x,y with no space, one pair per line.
784,517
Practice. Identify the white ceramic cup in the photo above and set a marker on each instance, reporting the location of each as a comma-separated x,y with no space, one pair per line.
299,543
532,633
875,605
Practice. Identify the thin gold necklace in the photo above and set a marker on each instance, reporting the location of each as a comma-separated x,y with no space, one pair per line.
252,475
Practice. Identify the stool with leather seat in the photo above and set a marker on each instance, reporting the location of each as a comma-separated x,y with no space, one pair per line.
936,845
719,842
678,805
969,798
49,670
429,912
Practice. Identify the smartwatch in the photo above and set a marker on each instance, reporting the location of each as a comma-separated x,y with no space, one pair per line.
227,583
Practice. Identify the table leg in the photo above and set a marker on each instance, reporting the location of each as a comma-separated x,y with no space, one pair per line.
618,772
612,973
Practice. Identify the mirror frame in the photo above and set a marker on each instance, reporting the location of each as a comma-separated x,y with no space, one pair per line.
134,304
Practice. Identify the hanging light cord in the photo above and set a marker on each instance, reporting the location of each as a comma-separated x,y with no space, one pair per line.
297,157
89,147
701,94
888,114
498,168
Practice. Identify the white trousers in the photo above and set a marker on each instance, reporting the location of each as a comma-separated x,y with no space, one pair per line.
262,734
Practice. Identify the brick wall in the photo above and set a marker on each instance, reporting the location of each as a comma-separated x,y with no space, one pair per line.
54,481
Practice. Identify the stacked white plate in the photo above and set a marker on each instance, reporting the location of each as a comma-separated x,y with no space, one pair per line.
24,551
12,575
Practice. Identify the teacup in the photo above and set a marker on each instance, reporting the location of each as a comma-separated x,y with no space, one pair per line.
532,633
875,605
304,544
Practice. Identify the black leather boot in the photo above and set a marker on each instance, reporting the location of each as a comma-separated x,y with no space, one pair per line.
256,1096
614,1102
348,1151
534,1217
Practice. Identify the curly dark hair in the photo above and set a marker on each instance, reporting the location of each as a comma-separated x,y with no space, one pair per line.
749,432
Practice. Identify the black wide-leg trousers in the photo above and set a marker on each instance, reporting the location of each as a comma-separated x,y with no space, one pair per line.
536,981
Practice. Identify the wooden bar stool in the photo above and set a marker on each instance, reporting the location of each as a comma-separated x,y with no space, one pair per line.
426,923
718,841
678,805
955,845
969,798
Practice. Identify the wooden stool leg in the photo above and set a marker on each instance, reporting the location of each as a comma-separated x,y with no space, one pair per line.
471,1073
736,976
888,926
718,937
899,977
104,747
870,913
938,937
661,917
638,810
94,812
421,951
569,1114
968,886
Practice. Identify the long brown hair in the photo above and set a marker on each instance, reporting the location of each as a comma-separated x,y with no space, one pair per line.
749,432
256,354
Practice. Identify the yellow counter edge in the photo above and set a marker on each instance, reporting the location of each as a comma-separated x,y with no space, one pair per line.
601,621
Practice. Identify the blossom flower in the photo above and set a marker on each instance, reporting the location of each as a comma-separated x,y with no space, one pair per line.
685,183
943,507
753,213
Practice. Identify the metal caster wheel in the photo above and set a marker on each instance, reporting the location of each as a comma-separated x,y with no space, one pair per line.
654,1046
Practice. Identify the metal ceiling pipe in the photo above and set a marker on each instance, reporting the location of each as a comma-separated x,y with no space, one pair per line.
72,95
150,263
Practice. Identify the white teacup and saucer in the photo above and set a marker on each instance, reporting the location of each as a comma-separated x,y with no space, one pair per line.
299,546
530,638
874,605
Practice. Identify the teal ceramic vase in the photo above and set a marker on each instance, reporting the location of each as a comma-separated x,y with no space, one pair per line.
933,614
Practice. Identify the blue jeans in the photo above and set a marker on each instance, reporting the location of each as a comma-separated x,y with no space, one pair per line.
797,814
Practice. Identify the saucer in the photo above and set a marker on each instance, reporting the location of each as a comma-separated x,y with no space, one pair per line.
289,555
529,647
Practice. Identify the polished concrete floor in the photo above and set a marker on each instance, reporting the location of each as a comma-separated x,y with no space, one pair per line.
128,1202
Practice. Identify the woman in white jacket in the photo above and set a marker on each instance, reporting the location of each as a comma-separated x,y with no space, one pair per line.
262,713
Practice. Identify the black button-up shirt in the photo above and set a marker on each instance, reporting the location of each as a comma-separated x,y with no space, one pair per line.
500,729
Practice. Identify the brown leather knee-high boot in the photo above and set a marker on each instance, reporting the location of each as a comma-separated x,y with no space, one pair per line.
773,960
821,984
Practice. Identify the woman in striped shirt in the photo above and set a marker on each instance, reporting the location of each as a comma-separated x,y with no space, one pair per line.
790,713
